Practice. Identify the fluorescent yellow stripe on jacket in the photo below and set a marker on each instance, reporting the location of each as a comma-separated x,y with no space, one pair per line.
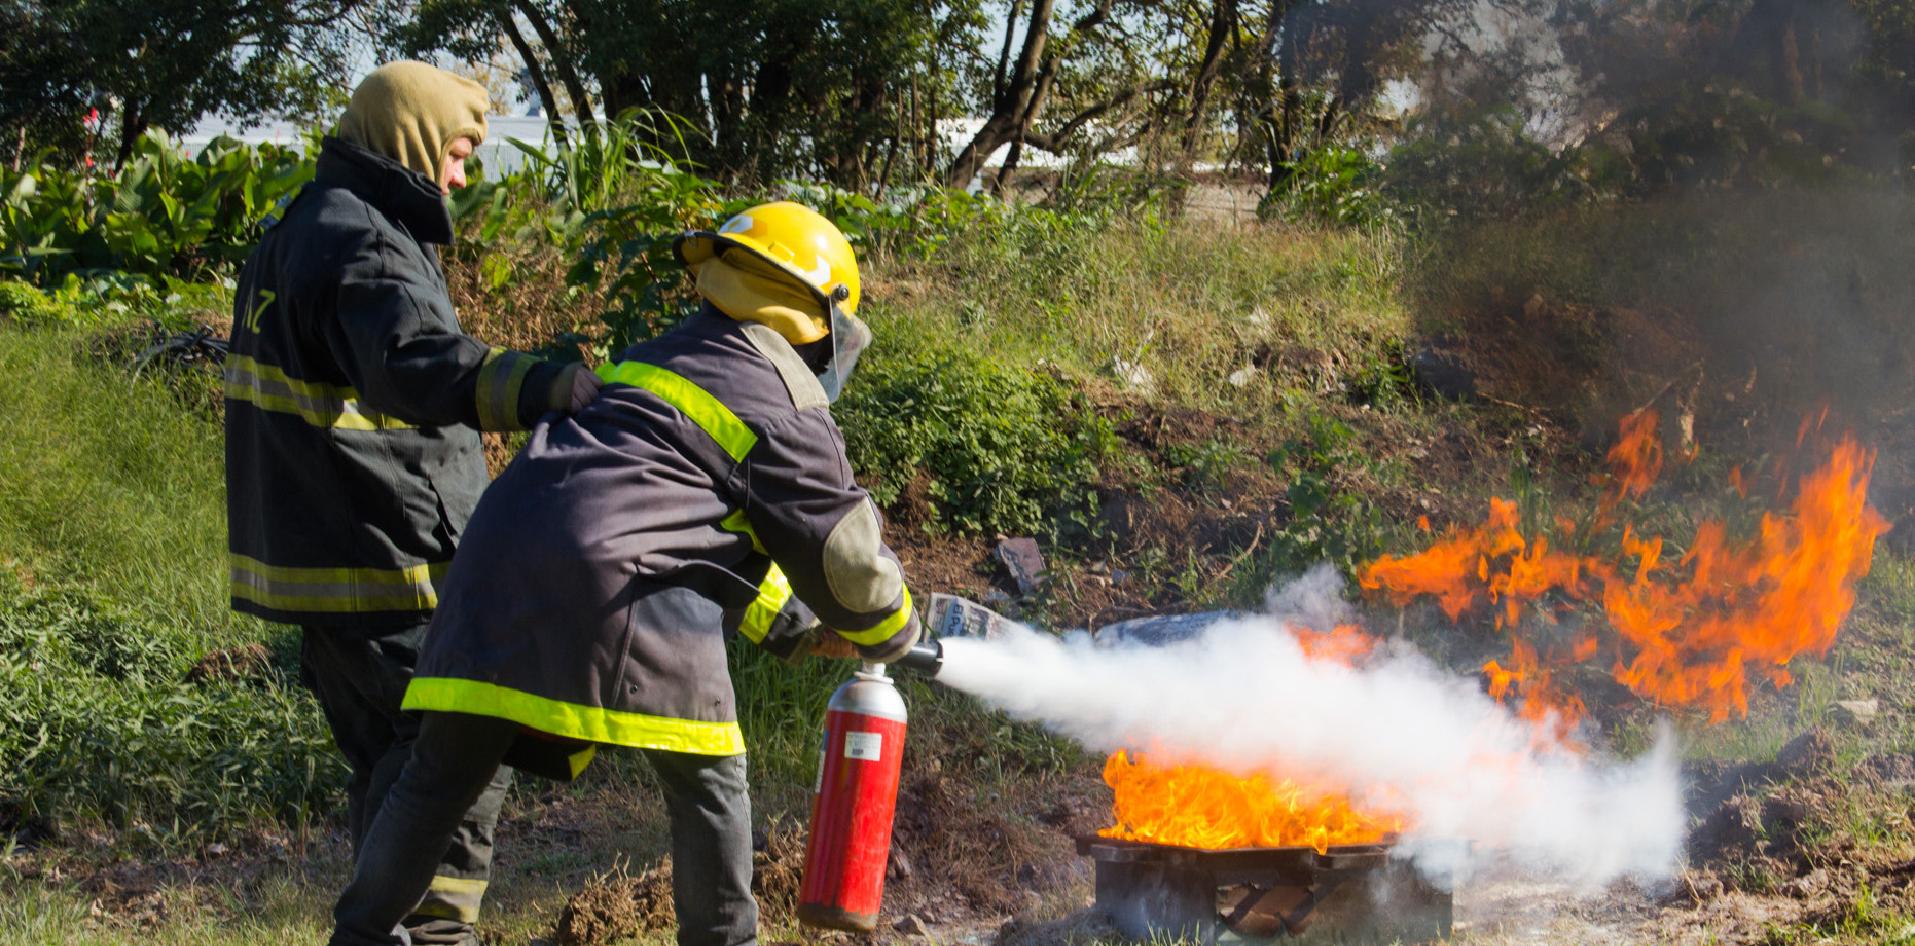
709,413
338,590
572,720
885,628
269,388
773,592
736,522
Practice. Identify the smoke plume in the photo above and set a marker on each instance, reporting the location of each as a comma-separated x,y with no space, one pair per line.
1396,731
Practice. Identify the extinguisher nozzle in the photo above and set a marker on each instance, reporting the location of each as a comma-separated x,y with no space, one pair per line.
925,658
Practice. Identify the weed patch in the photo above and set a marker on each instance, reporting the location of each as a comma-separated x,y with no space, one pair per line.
1002,450
98,719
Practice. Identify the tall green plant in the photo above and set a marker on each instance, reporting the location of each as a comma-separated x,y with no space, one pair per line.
163,214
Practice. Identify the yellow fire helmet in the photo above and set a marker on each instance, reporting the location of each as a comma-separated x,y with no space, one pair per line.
799,245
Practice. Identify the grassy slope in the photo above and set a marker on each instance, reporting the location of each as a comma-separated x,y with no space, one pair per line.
112,486
1190,303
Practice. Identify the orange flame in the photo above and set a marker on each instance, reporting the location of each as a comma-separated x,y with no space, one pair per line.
1196,806
1345,644
1692,632
1635,462
1192,805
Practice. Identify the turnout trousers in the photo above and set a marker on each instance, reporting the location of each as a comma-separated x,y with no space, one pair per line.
359,677
453,763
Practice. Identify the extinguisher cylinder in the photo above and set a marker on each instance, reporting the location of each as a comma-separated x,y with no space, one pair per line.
852,806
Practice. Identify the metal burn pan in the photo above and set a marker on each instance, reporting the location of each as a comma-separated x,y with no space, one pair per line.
1352,894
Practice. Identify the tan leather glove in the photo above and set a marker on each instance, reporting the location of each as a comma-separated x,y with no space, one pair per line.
820,642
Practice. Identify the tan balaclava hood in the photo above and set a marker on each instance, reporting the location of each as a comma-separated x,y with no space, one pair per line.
411,112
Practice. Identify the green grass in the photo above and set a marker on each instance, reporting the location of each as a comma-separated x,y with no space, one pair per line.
100,722
112,541
110,485
1188,303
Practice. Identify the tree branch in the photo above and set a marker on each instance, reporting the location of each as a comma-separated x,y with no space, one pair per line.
1056,142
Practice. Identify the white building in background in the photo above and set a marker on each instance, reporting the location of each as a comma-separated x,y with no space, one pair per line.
498,155
495,152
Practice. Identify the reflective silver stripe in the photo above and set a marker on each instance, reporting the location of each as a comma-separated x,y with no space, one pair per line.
269,388
335,590
497,394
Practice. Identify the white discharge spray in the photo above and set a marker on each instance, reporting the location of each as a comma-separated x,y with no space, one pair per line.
1400,732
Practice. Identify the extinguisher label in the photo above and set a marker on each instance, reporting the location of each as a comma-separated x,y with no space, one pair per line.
864,745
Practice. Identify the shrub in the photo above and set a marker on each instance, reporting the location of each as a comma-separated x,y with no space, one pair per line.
1331,184
98,719
1000,450
22,304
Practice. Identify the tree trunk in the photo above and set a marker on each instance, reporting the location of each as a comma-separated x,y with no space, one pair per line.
1223,23
1011,106
1356,77
561,63
1001,78
1282,148
553,121
132,126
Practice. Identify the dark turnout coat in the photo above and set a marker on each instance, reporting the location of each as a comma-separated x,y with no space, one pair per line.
595,585
354,401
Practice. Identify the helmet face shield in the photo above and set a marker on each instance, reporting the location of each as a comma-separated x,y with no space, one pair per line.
850,336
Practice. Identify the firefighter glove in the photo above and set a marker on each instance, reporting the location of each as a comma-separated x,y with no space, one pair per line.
574,388
813,641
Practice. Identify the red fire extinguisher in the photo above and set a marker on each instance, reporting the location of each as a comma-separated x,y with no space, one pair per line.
852,804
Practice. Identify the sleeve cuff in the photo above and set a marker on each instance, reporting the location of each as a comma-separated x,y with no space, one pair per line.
502,384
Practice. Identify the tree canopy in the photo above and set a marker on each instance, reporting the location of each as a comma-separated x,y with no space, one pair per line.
164,63
1512,97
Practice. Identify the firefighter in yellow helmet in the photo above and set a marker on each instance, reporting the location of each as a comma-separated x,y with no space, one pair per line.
705,493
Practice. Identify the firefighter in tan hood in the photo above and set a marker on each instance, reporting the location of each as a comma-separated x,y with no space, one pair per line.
420,116
705,494
354,403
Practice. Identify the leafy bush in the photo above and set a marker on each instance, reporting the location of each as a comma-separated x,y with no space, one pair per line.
162,214
1000,450
98,719
25,305
1331,184
594,222
1331,516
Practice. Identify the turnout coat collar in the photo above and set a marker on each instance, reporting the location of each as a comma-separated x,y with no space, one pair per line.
405,196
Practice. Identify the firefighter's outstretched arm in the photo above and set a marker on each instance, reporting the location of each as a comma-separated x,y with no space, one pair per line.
824,531
400,345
